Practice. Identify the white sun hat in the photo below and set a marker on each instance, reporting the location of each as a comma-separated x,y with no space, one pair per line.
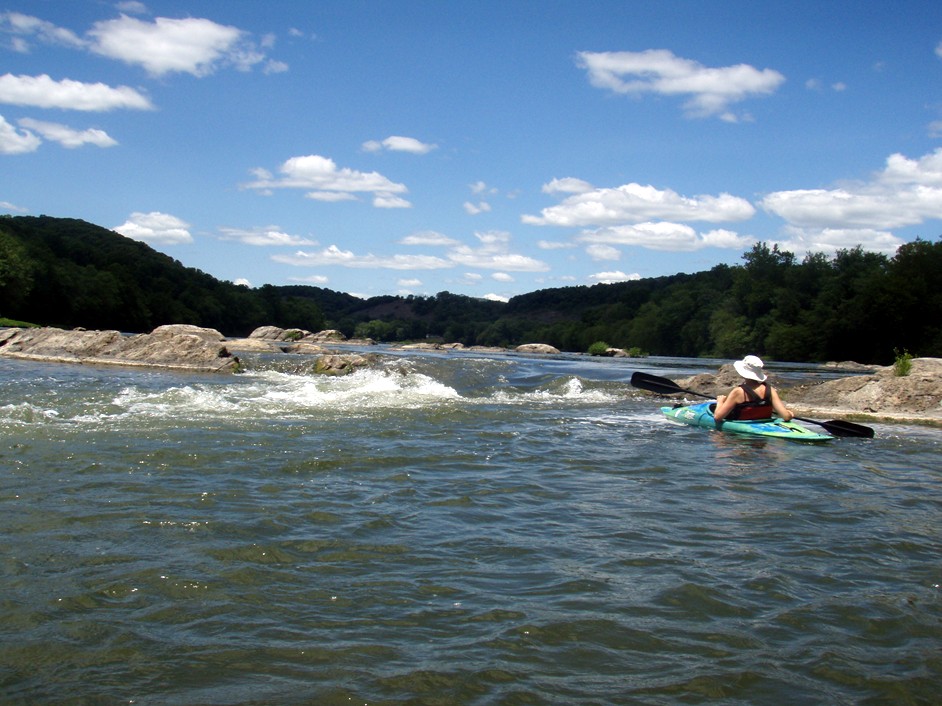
750,368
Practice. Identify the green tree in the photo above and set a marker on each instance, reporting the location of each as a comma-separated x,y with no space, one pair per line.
16,274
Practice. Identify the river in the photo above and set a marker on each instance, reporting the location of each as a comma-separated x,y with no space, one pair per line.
451,528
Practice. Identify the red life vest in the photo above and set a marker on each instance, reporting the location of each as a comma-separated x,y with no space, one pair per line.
755,407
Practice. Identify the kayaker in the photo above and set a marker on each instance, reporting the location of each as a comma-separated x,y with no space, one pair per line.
754,398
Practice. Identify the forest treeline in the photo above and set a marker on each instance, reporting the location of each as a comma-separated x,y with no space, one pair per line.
856,305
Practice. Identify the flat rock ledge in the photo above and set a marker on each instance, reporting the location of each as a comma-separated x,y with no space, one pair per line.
174,347
177,347
880,395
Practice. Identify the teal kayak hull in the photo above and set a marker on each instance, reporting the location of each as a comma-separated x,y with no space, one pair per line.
699,415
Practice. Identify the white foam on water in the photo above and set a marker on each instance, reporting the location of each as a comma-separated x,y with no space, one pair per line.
25,413
572,391
275,394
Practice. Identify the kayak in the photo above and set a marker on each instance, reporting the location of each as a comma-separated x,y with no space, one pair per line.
699,415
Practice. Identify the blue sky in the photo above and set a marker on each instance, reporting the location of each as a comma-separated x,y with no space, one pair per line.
486,148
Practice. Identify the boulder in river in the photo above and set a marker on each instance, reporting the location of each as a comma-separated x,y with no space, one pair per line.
544,348
180,347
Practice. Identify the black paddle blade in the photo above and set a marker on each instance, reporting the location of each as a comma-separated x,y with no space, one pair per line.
653,383
838,427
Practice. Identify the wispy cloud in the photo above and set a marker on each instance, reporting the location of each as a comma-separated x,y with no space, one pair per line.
661,235
710,91
67,136
491,253
266,236
160,46
14,141
44,92
396,143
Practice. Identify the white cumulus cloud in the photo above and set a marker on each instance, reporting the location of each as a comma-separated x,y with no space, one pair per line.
156,228
633,202
325,181
613,277
189,45
906,192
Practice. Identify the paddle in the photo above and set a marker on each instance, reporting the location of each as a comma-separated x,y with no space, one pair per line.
837,427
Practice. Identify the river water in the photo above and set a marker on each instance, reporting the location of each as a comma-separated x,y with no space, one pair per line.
451,529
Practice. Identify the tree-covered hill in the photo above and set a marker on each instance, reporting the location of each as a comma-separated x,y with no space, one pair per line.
65,272
855,306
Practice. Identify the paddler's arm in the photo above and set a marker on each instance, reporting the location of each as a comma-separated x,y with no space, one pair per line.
725,403
780,408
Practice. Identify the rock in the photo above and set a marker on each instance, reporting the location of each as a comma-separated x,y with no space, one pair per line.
284,335
269,333
420,347
487,349
712,384
850,365
333,364
536,348
209,334
305,348
328,335
253,345
178,347
882,393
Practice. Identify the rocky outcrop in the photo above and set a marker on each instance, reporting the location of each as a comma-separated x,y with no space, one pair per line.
175,347
544,348
179,347
882,393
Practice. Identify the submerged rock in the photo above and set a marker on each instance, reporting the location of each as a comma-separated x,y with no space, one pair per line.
334,364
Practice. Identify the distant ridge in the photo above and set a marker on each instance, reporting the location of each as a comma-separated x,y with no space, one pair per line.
70,273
